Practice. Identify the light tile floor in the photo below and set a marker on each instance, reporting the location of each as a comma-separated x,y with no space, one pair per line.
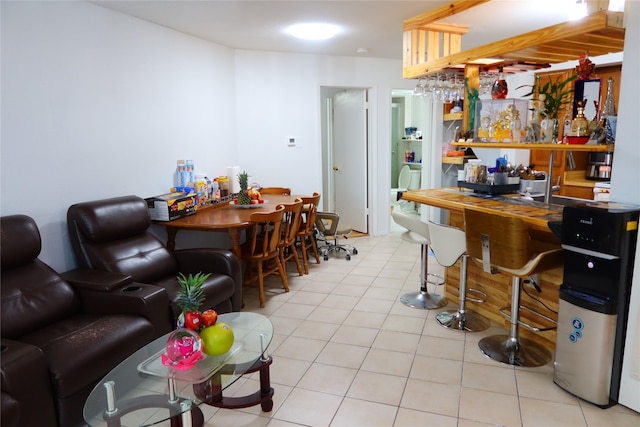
348,353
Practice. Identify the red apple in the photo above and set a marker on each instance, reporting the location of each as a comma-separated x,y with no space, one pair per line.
209,317
192,320
217,339
260,200
254,201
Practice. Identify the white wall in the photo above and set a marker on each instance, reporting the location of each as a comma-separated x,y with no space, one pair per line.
278,95
97,104
625,176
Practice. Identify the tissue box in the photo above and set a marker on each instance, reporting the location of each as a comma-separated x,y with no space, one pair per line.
170,206
500,120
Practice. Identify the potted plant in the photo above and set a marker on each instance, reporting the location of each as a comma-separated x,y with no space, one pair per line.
552,97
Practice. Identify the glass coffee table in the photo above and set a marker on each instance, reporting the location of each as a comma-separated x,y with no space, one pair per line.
141,391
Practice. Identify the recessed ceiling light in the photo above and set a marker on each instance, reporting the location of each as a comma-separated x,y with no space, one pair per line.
313,31
362,50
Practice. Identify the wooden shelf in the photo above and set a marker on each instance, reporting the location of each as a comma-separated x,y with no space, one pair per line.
599,33
452,116
521,146
577,179
456,160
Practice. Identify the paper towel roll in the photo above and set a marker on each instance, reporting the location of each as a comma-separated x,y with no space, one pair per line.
234,184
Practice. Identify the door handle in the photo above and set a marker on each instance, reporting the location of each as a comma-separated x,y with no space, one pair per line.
336,168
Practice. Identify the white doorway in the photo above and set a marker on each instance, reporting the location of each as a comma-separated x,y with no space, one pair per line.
425,116
345,160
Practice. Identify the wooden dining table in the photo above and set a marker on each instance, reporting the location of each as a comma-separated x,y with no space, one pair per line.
223,217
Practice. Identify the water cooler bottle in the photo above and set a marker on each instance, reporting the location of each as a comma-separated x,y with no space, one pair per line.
599,241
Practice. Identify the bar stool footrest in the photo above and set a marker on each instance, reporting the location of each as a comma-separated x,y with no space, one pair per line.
438,282
506,312
482,295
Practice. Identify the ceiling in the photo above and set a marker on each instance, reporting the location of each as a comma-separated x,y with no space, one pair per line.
374,25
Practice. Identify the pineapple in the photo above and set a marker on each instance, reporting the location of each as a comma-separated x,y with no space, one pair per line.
243,196
190,299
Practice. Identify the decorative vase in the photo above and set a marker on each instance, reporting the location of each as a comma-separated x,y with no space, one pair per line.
549,131
183,349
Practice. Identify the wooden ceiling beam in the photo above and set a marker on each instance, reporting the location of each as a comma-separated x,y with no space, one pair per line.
457,6
598,33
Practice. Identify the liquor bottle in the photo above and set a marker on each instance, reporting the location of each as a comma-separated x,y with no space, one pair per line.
499,90
580,124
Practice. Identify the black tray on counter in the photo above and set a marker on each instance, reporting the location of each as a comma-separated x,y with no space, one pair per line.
490,189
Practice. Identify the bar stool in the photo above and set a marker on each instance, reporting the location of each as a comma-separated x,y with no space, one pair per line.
449,245
418,232
503,244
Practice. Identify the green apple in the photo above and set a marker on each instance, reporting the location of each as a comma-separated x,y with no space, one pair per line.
217,339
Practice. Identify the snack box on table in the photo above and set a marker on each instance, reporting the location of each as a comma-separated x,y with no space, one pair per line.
170,206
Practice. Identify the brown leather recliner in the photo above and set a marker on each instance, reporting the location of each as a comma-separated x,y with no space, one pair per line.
113,235
58,339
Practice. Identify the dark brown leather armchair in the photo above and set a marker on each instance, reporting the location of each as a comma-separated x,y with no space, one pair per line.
113,235
58,339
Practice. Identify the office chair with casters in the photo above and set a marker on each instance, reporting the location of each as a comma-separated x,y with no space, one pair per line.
327,224
418,233
449,245
503,244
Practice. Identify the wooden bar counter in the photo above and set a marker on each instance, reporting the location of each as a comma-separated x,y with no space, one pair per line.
498,286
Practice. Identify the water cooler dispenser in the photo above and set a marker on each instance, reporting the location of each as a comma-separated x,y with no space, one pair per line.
599,241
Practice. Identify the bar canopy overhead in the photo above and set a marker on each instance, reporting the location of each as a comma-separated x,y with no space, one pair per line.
430,47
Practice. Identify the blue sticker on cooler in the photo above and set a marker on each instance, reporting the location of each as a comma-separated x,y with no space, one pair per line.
577,323
578,326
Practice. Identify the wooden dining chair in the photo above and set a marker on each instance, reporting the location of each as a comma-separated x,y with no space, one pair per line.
262,248
291,225
286,191
306,238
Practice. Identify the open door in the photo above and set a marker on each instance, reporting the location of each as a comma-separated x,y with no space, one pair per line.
348,157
